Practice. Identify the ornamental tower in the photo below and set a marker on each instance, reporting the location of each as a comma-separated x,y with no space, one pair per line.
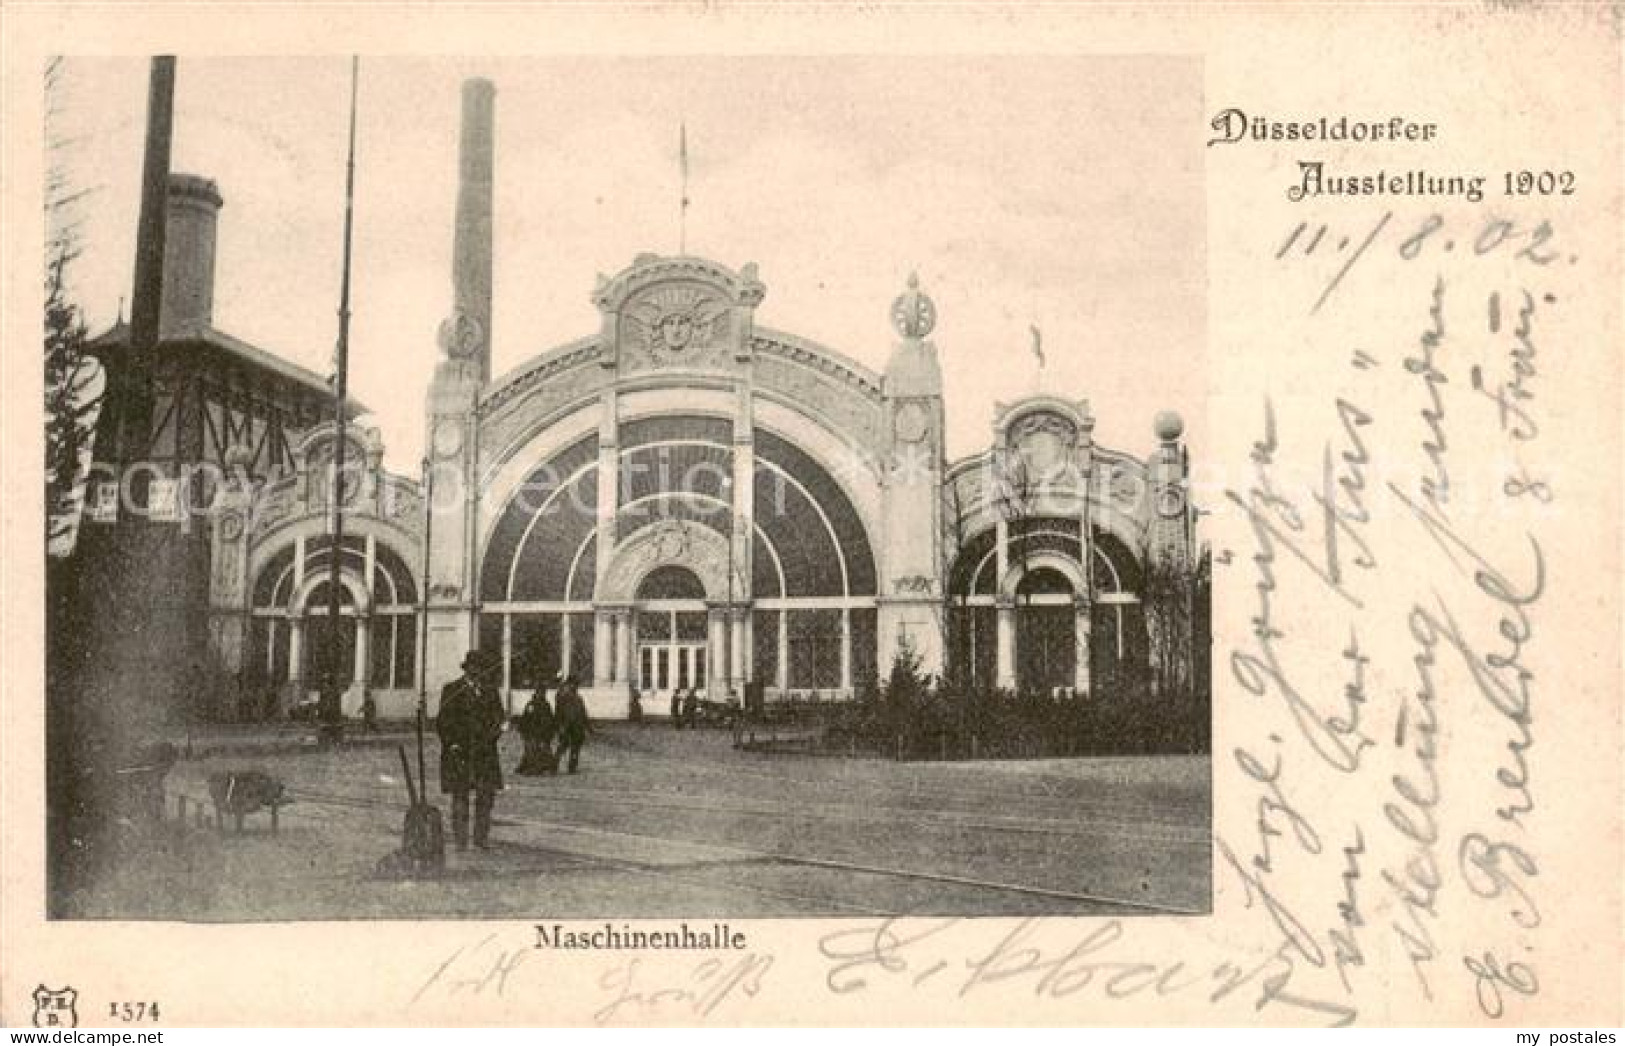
1170,556
451,495
910,598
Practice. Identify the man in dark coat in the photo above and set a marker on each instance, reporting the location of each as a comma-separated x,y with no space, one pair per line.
571,716
469,724
691,708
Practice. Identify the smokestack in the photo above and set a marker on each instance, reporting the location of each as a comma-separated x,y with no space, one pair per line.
146,300
471,249
194,209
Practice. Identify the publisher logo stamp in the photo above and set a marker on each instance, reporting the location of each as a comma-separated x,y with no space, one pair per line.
55,1009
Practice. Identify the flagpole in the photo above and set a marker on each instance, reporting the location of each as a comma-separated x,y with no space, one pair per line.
682,160
341,361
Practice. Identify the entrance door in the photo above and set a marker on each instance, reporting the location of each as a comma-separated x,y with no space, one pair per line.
670,666
1046,623
328,647
1046,651
671,634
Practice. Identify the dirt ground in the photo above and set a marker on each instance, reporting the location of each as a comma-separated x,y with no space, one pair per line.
666,823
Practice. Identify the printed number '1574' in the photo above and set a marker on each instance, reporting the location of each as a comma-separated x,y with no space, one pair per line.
131,1012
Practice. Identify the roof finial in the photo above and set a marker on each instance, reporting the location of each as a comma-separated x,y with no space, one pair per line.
913,314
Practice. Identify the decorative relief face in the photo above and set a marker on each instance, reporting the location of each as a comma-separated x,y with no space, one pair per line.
672,322
1045,443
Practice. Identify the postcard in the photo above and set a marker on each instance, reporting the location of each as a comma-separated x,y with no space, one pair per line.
854,515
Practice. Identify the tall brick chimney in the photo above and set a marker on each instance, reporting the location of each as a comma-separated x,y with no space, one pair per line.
194,209
471,248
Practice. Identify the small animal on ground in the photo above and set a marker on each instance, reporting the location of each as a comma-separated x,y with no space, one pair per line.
243,792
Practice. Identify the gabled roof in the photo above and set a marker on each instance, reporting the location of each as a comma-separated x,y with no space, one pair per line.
252,355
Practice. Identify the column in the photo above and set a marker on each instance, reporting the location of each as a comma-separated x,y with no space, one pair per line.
736,649
715,626
741,526
783,680
603,668
363,641
1001,545
609,481
296,649
623,646
1082,629
507,662
565,642
1005,663
364,625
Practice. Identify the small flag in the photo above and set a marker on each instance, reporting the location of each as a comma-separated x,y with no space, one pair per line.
1038,344
682,154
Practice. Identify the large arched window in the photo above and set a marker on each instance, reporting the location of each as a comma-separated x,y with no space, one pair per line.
1117,623
812,578
290,636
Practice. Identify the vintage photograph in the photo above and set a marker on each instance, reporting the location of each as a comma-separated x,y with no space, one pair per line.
617,488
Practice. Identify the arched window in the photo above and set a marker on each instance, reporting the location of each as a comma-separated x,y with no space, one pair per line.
289,636
670,582
1117,646
812,576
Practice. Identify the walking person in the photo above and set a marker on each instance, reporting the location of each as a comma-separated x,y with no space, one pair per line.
536,728
469,724
330,710
571,716
677,707
691,708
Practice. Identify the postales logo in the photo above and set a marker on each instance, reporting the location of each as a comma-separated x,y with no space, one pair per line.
55,1009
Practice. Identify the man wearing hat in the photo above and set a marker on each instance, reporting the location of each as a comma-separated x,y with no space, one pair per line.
571,715
469,724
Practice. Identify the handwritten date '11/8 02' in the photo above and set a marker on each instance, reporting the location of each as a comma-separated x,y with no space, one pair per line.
1532,243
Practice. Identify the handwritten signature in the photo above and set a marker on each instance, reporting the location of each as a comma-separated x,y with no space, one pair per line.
1039,958
637,991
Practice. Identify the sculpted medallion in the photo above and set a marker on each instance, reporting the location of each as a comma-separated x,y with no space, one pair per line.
672,322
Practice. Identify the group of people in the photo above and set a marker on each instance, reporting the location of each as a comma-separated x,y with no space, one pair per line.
539,725
685,708
470,723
